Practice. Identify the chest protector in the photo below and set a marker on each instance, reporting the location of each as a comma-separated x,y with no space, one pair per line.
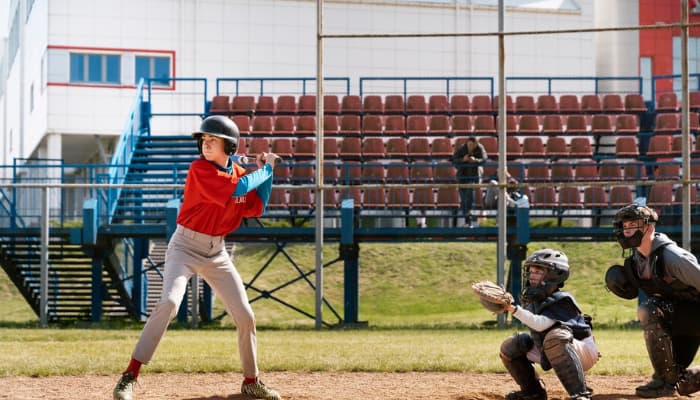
562,307
659,285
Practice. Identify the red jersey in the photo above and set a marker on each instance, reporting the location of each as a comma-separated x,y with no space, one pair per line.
208,206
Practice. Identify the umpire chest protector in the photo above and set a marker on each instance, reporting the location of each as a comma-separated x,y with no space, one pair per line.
659,284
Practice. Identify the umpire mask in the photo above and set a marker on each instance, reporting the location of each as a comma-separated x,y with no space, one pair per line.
633,212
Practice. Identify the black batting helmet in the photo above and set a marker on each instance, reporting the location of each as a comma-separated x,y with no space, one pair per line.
219,126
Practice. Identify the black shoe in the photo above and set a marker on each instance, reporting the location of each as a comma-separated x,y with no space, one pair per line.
655,388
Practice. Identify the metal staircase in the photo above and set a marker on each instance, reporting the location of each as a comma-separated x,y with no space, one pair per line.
156,160
70,277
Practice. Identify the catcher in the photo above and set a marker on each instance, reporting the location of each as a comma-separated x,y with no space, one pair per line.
670,278
560,335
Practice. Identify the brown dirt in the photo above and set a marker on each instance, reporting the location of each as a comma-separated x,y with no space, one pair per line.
307,386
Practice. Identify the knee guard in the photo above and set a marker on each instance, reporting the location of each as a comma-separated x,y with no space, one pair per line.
653,315
559,349
514,356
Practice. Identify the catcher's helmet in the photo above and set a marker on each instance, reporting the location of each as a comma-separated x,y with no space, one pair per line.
556,266
632,212
219,126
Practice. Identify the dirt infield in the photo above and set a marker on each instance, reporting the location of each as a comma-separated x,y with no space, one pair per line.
306,386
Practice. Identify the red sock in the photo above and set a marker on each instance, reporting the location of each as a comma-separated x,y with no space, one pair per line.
247,381
134,367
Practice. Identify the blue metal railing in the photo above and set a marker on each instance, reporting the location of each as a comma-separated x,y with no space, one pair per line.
656,78
123,152
596,80
158,82
448,82
262,81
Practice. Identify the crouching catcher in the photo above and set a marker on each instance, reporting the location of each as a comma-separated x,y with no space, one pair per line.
669,276
560,335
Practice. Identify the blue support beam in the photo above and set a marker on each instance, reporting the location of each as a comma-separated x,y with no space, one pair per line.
97,285
349,253
139,290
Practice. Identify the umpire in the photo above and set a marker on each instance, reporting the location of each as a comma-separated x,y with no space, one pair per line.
669,276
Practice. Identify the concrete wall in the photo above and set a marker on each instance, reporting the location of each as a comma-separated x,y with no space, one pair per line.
268,38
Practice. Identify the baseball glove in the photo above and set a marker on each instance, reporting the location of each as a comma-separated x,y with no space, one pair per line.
493,297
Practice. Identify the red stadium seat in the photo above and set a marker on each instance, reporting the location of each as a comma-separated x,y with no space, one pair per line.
595,196
556,147
286,105
439,125
415,104
307,104
305,148
395,125
612,103
284,125
528,125
306,125
262,125
220,104
634,103
397,147
243,105
331,105
394,104
525,104
282,147
330,125
265,105
591,104
372,125
667,102
461,125
460,104
373,104
481,104
350,125
438,104
351,104
568,104
547,104
416,125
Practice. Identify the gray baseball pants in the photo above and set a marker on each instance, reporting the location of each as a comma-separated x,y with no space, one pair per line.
189,253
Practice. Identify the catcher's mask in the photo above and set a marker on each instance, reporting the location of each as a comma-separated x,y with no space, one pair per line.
633,212
219,126
556,267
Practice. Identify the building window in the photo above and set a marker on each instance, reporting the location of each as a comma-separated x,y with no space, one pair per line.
153,67
95,68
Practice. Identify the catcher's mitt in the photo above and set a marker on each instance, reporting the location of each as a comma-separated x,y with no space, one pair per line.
493,297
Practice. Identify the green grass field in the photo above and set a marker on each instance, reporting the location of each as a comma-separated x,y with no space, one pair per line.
421,314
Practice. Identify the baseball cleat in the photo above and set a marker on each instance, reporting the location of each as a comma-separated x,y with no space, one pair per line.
125,387
258,390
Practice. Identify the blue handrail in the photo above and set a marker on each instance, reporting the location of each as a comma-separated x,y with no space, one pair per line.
121,158
447,80
262,81
673,76
596,81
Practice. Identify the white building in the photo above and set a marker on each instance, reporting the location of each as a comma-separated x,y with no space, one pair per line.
68,68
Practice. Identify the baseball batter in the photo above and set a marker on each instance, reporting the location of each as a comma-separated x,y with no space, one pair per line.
560,335
670,278
218,195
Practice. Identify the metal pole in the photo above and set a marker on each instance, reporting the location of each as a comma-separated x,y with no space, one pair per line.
44,264
319,164
195,301
685,130
501,217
